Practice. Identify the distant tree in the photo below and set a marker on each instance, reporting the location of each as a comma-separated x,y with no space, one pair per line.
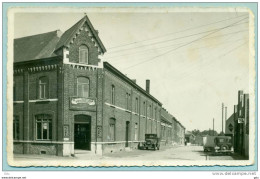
197,132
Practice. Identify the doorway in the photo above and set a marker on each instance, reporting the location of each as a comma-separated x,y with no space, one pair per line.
127,134
82,132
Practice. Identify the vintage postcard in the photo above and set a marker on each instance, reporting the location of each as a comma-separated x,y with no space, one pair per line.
122,86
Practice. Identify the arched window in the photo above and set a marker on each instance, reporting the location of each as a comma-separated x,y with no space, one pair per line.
112,128
83,54
83,87
43,127
43,87
113,94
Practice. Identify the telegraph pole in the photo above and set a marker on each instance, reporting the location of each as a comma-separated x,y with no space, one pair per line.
225,116
213,127
222,116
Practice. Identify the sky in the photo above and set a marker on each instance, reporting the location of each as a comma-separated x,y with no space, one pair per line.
195,60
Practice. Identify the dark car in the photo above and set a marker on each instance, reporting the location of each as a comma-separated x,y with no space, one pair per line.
151,141
223,143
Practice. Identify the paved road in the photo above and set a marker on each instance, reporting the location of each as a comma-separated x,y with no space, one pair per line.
173,153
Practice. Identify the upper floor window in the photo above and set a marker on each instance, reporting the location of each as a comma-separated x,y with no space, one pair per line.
136,105
144,108
113,94
83,87
16,128
43,87
150,111
83,54
43,127
127,100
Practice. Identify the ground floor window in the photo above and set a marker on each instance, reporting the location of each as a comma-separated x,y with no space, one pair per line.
16,128
136,131
112,123
43,127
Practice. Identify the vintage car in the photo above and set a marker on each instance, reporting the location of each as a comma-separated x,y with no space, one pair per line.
218,144
151,142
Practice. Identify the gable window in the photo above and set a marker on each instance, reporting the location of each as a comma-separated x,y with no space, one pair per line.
43,127
83,54
16,128
43,87
113,94
83,87
112,123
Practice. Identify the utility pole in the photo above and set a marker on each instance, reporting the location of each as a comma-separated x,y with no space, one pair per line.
222,116
225,116
213,127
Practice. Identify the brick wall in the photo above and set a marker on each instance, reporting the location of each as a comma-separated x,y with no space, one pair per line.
83,39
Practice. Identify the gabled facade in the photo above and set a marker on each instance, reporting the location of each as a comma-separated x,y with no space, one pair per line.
66,100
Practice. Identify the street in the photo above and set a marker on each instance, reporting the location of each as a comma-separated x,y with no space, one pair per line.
167,153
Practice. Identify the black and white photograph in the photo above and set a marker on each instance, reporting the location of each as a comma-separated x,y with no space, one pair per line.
131,86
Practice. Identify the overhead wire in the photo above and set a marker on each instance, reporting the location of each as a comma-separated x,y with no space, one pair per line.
169,40
183,45
184,30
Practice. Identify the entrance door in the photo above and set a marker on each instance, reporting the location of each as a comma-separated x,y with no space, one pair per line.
127,134
82,132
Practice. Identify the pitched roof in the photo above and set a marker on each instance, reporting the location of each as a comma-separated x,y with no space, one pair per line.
36,46
68,35
44,45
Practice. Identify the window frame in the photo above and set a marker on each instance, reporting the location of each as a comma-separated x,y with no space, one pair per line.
136,132
113,98
41,119
82,87
112,122
44,86
86,50
136,105
16,127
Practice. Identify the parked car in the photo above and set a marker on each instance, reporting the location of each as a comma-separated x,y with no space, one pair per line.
216,144
151,141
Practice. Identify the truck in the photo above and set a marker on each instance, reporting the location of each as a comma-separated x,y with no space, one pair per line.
218,144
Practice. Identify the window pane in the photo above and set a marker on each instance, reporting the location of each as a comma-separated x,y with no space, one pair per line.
83,54
50,130
45,130
85,90
39,130
83,80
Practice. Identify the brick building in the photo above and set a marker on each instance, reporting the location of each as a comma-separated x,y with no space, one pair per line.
65,99
241,124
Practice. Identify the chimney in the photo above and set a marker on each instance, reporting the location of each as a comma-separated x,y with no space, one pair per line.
148,86
134,80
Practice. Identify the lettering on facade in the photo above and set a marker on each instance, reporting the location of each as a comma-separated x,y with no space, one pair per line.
80,103
240,120
88,101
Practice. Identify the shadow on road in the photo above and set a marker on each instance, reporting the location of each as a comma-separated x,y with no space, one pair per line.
221,156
